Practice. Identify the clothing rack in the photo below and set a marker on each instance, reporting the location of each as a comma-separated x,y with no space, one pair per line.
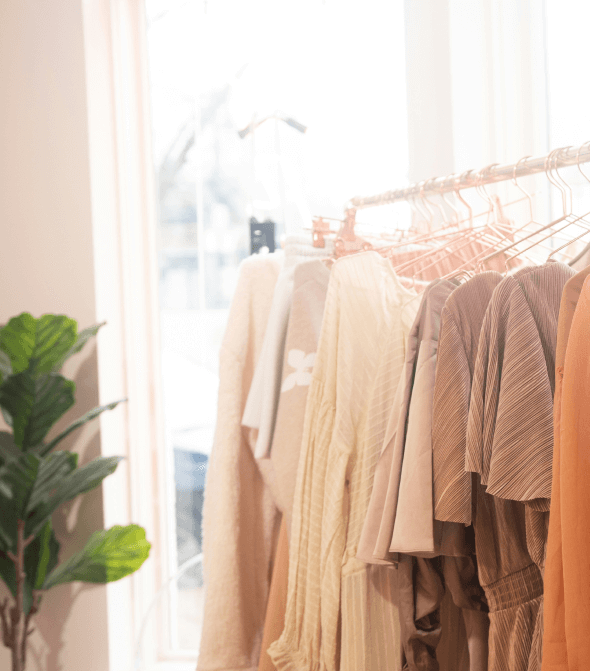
558,158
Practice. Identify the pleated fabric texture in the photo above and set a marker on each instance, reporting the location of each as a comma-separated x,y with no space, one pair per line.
461,321
511,413
510,448
567,616
401,501
360,356
400,518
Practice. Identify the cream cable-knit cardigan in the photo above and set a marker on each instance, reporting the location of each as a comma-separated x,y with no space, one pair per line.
240,519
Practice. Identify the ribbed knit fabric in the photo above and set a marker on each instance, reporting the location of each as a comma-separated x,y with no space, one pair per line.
360,356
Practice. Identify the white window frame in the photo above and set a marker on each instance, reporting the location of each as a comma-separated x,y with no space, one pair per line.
124,232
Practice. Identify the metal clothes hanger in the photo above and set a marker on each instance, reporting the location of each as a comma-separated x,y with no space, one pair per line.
584,233
490,235
516,243
587,247
568,217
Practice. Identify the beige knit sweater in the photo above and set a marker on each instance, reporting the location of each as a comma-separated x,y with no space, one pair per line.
240,519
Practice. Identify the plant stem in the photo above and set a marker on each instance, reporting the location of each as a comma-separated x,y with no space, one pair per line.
17,612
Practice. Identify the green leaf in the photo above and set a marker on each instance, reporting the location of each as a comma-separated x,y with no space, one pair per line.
17,341
8,448
41,556
91,414
37,345
83,337
52,470
5,365
8,451
77,482
108,556
5,489
20,476
35,404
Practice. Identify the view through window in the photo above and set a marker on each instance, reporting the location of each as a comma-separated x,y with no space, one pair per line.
216,67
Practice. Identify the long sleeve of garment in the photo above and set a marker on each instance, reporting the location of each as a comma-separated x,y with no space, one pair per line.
360,356
240,519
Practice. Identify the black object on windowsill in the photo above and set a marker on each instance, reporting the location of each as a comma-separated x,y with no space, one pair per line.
262,235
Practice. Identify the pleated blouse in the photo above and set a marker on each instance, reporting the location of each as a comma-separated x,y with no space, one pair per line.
510,433
461,322
400,517
341,613
511,580
509,447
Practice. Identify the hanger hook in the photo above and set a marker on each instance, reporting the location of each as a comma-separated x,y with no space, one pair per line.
549,167
578,161
457,191
426,203
451,205
415,208
482,193
562,180
528,196
434,204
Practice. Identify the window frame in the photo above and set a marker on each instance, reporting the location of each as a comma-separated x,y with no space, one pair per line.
128,348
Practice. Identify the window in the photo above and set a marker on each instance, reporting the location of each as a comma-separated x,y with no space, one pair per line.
216,68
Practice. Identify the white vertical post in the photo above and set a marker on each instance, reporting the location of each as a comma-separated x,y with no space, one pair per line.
199,201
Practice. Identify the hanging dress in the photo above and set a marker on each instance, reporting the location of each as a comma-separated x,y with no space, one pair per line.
509,448
240,518
567,616
341,613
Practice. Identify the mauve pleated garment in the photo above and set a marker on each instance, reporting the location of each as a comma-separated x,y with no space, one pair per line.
401,517
461,321
567,599
509,447
407,440
495,520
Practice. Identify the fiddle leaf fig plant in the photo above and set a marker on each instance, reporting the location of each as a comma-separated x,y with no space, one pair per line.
35,480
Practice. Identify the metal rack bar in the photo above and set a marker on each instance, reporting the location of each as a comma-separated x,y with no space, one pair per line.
558,158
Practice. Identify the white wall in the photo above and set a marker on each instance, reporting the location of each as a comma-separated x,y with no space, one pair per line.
46,265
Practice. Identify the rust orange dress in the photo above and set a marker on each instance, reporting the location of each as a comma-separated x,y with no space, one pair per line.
566,641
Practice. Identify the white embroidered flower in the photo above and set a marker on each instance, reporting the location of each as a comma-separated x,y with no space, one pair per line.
302,364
